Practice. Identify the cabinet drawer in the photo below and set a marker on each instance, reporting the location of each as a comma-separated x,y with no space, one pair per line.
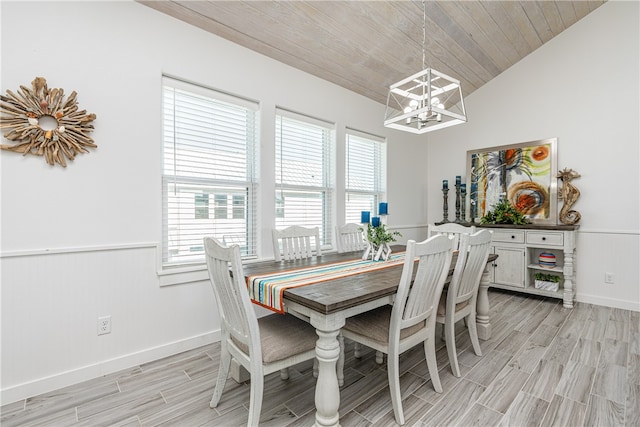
513,236
545,238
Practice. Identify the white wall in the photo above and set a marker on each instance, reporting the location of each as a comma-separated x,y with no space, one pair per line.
81,242
583,88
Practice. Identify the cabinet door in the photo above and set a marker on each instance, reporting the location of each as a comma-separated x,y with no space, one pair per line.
509,267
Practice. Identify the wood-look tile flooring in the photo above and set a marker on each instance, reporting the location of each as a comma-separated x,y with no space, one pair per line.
544,366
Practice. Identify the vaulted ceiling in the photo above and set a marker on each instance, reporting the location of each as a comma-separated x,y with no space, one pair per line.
365,46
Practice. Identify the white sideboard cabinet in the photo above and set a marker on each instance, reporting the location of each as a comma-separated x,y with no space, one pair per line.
519,248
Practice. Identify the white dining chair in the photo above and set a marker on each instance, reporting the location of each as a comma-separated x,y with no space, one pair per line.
459,300
296,242
262,346
451,229
411,319
350,238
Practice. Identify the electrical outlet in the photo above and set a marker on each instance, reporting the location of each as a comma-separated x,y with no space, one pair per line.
609,278
104,325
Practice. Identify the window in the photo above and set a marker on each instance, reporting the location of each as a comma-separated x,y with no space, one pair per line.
209,156
220,208
366,162
239,207
305,159
202,206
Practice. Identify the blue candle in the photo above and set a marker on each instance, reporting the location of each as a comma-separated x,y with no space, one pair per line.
364,217
375,221
445,184
383,209
463,188
458,180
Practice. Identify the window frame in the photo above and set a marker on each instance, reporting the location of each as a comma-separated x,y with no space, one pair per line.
378,189
178,178
326,191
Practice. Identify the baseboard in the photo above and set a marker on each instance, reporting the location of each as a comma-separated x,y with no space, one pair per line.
85,373
609,302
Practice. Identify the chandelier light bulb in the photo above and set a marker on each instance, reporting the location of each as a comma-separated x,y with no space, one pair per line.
408,119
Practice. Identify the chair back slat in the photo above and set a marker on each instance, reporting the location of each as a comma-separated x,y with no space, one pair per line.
451,229
296,242
349,238
417,300
234,305
476,251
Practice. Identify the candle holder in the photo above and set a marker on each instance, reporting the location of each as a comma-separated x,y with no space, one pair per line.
457,220
473,208
445,206
463,201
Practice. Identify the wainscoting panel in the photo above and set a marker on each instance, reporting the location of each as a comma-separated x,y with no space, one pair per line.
51,301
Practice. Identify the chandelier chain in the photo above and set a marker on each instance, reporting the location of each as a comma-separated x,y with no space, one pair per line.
424,34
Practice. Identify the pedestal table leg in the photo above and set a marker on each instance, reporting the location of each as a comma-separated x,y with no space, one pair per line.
482,307
327,391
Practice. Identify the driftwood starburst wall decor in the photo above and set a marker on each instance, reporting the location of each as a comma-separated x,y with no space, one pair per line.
41,122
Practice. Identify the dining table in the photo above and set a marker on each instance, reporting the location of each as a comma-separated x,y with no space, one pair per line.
328,303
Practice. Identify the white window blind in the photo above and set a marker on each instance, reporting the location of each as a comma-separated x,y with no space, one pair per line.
305,163
209,174
366,164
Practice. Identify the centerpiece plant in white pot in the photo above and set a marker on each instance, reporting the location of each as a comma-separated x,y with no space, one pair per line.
378,239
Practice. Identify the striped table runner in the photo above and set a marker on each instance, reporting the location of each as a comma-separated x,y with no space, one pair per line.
267,290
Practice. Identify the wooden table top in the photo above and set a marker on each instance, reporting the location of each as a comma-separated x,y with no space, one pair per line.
338,294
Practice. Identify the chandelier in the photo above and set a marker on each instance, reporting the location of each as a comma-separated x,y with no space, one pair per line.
426,101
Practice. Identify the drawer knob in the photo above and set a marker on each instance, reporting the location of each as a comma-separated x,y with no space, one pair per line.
544,238
513,237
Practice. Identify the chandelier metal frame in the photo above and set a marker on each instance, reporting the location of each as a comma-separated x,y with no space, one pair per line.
426,101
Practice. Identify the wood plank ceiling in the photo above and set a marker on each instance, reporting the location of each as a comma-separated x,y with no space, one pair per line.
365,46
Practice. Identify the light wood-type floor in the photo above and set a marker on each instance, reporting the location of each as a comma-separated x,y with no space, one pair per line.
544,366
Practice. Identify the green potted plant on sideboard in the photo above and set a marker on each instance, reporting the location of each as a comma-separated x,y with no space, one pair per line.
546,281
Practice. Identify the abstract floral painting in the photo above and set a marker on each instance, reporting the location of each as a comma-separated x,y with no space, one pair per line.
523,173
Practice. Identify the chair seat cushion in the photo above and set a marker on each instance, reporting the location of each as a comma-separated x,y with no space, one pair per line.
283,336
375,324
442,305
